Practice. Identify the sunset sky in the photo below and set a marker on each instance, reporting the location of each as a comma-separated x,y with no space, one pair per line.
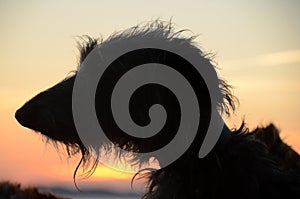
257,49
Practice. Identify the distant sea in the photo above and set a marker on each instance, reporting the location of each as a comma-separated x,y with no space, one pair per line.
91,194
76,196
103,197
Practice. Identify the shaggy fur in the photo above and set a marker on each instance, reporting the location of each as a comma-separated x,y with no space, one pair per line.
281,152
240,166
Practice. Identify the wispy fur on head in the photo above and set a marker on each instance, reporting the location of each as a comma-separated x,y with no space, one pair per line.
163,31
160,31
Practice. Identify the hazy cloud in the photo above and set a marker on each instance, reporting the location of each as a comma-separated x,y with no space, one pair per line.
269,59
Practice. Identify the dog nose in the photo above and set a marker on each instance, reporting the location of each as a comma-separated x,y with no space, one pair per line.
24,116
19,115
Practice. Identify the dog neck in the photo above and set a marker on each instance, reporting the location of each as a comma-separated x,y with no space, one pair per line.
225,137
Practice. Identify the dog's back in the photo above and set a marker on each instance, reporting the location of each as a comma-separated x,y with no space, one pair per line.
244,167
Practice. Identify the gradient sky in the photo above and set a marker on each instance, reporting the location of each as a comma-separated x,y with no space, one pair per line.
256,43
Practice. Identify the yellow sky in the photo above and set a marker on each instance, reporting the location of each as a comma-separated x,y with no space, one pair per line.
256,43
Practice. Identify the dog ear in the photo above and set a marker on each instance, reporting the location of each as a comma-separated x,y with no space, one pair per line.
85,46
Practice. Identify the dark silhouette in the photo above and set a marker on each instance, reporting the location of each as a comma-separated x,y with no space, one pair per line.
10,190
282,153
243,164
